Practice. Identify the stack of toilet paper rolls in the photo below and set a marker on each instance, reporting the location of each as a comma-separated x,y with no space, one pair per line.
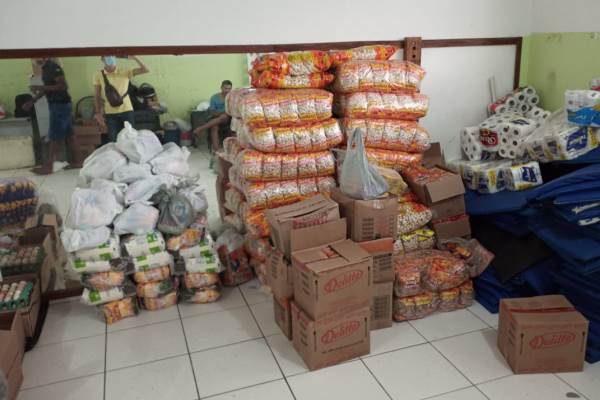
521,100
512,134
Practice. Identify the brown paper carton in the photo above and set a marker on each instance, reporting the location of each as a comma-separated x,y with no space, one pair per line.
381,250
29,314
282,308
368,219
43,231
449,207
458,226
542,334
12,347
283,221
331,340
381,305
221,186
447,186
332,279
279,270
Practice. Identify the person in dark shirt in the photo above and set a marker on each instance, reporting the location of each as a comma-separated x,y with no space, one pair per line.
219,117
59,104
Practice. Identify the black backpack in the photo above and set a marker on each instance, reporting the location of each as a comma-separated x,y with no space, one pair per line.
112,95
21,99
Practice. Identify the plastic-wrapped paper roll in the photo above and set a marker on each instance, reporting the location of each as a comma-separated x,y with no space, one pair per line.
595,84
572,143
533,101
538,114
489,137
469,142
491,177
524,176
582,107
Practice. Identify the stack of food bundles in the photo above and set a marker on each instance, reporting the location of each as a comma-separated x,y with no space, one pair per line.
134,189
194,250
292,70
382,98
18,200
230,248
257,249
437,280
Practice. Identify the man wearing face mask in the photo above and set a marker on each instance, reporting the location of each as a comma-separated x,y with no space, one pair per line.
111,113
59,106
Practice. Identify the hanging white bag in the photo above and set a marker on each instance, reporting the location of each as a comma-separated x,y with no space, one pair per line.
139,146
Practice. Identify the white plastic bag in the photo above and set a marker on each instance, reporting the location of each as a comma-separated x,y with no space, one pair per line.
139,146
75,239
91,209
172,160
143,190
359,179
110,187
132,172
139,219
195,195
102,163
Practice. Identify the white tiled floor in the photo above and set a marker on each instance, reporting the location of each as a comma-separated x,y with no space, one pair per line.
231,349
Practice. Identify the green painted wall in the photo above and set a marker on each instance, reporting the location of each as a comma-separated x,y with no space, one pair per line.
181,81
555,62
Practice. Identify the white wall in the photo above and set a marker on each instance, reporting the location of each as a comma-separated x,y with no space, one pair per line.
87,23
565,16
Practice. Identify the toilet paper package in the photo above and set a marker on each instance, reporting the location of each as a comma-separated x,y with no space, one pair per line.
523,176
520,100
491,177
582,107
471,146
538,114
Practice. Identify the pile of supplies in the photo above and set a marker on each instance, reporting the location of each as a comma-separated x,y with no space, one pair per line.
136,230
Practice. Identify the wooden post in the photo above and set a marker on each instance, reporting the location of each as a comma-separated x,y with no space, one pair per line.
412,49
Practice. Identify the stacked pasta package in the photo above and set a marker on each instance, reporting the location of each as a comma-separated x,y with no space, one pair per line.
437,280
138,195
285,130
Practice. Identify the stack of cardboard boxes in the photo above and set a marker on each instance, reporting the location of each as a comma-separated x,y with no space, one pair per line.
222,183
12,347
373,225
321,282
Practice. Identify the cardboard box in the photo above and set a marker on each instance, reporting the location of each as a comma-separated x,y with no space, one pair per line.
330,340
542,334
86,138
381,305
279,269
286,223
12,347
282,308
221,186
42,231
458,226
444,187
332,279
449,207
223,166
382,251
433,156
368,219
29,314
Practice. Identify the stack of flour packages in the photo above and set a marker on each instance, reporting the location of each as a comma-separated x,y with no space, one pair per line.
136,229
504,151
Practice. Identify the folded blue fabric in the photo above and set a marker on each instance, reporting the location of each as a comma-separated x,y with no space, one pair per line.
513,223
582,179
580,213
501,202
579,196
590,157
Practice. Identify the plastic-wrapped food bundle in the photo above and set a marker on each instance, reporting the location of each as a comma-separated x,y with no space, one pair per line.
412,216
156,289
294,63
117,310
449,299
369,52
261,195
232,255
378,76
96,297
397,160
110,249
18,200
272,80
151,261
260,270
407,106
256,166
316,136
158,303
92,209
467,294
258,248
281,107
477,257
428,270
152,275
84,266
235,178
141,245
235,221
201,295
415,307
101,281
196,280
75,239
420,239
396,184
190,237
389,134
233,199
231,148
203,248
256,224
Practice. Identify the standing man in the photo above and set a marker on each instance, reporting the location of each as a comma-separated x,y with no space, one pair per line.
60,130
219,117
112,117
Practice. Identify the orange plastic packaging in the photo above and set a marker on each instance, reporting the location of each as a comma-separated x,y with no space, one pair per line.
389,134
294,63
397,160
370,52
406,106
261,195
271,80
378,76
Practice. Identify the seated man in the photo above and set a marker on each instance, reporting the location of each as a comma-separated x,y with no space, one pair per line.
218,116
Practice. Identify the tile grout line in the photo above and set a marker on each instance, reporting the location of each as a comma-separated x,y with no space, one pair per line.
478,317
376,380
105,361
268,346
452,391
39,346
60,381
245,387
571,386
187,346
